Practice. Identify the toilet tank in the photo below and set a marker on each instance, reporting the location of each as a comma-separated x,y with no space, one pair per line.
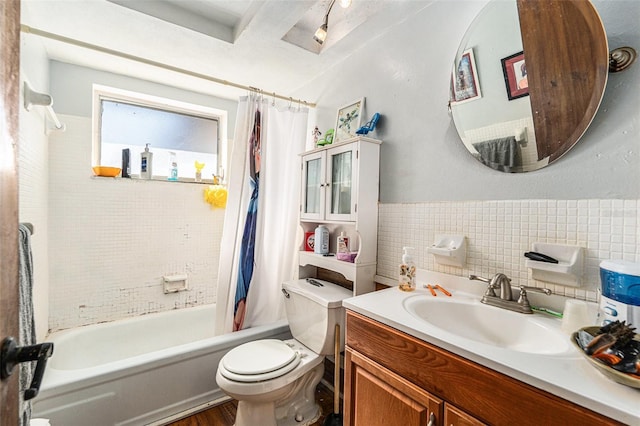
313,312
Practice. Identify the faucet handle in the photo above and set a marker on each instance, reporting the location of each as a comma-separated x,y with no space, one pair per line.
523,300
490,287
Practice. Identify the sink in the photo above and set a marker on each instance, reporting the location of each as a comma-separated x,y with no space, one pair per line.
472,320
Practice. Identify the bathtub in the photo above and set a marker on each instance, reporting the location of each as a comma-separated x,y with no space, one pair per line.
150,369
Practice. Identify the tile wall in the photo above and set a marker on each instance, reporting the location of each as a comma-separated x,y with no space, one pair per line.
499,232
112,240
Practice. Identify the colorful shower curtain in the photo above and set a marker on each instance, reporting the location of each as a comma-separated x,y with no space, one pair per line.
260,227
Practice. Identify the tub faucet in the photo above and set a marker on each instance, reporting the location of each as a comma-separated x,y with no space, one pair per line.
505,300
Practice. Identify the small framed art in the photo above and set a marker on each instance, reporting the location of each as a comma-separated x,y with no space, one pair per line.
465,85
348,121
515,76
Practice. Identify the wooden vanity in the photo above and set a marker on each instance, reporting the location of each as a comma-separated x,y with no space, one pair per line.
392,378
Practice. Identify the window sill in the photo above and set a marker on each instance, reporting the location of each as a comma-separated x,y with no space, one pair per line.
160,179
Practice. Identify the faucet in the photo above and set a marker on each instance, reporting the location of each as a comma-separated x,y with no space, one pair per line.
505,300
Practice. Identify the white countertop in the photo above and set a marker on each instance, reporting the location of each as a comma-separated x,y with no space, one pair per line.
568,376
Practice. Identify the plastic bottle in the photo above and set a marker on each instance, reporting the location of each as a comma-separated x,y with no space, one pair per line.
173,170
407,277
321,240
146,163
343,243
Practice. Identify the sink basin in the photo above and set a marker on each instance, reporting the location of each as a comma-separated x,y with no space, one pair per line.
472,320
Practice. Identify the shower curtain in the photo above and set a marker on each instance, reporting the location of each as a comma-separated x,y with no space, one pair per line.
261,219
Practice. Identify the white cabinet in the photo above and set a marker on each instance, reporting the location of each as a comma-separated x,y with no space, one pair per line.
340,189
329,180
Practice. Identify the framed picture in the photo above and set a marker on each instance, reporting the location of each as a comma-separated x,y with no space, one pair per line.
348,121
464,80
515,76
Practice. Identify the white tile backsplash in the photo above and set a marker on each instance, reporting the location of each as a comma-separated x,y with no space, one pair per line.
500,232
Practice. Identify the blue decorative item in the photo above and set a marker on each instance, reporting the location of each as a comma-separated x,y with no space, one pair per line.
370,125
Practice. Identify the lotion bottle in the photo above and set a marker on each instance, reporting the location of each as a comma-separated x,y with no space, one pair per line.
342,243
407,277
146,162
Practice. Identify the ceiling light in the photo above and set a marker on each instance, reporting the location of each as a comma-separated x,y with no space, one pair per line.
321,33
345,3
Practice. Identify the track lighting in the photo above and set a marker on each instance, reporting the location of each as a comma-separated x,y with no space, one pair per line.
321,33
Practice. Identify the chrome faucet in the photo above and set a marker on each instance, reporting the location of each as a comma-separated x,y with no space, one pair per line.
505,300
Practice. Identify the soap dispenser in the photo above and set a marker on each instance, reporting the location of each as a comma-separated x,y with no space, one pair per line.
146,161
407,277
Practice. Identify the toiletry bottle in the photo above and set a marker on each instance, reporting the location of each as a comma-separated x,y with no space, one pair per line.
173,170
343,243
146,162
321,240
126,163
407,278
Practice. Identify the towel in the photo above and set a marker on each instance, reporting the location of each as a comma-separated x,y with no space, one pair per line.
500,154
27,324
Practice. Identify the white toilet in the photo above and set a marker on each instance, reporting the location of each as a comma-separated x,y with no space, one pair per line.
274,381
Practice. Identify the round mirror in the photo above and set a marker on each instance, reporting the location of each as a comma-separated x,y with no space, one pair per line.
527,80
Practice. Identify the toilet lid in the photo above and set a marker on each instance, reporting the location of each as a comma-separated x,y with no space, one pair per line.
259,360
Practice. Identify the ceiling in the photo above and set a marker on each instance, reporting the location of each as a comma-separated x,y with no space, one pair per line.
267,44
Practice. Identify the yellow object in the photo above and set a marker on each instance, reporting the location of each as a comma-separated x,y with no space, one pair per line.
216,195
199,166
106,171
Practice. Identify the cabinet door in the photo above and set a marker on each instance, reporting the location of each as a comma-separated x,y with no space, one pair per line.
375,396
455,417
342,178
313,186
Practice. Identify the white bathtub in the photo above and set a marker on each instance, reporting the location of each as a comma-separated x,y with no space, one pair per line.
139,371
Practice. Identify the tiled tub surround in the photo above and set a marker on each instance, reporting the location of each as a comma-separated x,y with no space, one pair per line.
500,232
111,240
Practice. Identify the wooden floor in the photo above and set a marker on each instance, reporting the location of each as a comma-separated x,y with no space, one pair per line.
224,415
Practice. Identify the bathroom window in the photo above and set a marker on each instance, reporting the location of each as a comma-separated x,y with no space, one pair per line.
186,133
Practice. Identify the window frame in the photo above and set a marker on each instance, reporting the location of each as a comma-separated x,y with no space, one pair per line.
101,92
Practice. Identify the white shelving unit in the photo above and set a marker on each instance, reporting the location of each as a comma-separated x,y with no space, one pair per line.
340,190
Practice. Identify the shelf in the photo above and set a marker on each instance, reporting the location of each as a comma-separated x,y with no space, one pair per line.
569,269
347,269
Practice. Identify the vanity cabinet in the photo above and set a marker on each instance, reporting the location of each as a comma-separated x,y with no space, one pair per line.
468,393
340,190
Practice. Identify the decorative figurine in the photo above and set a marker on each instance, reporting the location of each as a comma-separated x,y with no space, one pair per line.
369,126
316,134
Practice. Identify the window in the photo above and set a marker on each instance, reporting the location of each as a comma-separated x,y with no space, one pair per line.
172,129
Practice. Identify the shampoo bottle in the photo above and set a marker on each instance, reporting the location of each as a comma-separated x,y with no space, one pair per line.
146,161
407,278
321,240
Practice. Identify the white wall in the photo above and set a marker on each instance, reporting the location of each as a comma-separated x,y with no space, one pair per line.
404,74
33,172
430,184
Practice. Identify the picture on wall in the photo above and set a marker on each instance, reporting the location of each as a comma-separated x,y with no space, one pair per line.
348,121
515,76
464,81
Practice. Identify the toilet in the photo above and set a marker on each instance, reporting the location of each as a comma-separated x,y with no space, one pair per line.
274,381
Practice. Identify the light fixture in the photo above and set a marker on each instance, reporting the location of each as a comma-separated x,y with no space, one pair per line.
321,33
345,3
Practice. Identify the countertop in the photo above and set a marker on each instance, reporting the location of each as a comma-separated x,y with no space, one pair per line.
569,376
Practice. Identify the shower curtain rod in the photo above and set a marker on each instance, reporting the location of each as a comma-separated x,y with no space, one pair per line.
35,31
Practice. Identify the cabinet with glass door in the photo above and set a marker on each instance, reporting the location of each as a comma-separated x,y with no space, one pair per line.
340,190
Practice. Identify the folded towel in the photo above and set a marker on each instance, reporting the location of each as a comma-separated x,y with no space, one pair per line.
27,324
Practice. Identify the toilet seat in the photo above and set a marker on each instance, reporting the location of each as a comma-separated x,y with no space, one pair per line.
259,360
